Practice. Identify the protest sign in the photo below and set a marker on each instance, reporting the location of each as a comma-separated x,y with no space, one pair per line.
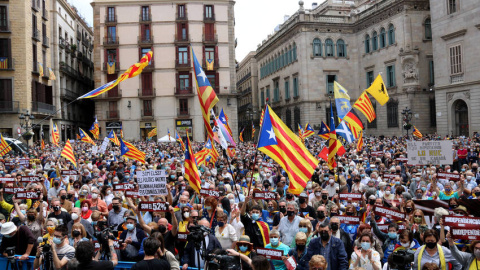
392,214
10,164
30,179
384,227
24,161
153,206
271,254
122,187
104,145
68,172
461,222
390,176
465,234
7,179
33,195
131,193
209,192
13,190
152,182
290,263
264,195
430,152
349,219
116,244
182,236
376,153
448,176
402,159
350,196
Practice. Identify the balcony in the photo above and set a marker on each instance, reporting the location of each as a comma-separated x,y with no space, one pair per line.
43,108
91,47
145,17
67,47
110,20
185,91
147,93
182,16
210,18
182,39
110,41
182,64
5,28
183,112
36,34
68,70
245,107
79,55
210,38
117,67
79,35
145,40
147,113
9,65
9,106
112,115
215,64
46,42
68,94
113,94
61,43
45,14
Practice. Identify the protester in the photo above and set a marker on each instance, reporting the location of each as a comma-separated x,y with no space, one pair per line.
151,246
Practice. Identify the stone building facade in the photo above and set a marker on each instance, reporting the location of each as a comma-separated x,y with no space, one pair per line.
247,86
163,96
456,35
351,42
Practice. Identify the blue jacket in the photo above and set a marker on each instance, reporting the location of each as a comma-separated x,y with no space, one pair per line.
302,263
337,258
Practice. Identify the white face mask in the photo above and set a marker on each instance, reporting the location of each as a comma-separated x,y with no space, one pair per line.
74,216
232,201
469,177
94,195
186,214
387,192
405,245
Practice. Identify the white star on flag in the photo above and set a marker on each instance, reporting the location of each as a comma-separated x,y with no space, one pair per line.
271,135
202,75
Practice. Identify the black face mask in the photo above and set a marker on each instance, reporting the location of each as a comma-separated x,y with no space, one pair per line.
371,202
334,227
289,196
63,197
56,208
290,213
397,171
162,229
321,214
356,180
453,206
300,247
76,233
324,197
116,207
431,245
69,196
324,235
31,218
409,209
301,200
56,184
377,217
349,213
282,209
477,194
333,214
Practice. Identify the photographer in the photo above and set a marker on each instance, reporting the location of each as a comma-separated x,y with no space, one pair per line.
151,245
20,238
86,250
61,251
191,255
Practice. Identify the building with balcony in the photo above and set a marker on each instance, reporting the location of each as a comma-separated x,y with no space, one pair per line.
24,52
72,63
163,96
247,87
351,42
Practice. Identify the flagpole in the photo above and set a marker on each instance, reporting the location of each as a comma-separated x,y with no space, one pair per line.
256,150
233,175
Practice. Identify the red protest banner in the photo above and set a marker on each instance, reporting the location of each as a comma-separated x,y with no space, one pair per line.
448,176
390,176
402,159
13,190
7,179
384,227
131,193
291,263
209,192
349,220
376,153
271,254
182,236
392,214
153,206
461,222
30,179
264,195
68,172
350,196
122,187
33,195
465,234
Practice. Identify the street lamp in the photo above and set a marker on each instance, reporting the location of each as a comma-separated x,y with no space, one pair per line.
407,117
26,121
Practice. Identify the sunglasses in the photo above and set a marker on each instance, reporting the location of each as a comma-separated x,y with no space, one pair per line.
417,216
303,226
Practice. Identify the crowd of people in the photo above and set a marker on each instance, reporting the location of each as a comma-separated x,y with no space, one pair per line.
81,220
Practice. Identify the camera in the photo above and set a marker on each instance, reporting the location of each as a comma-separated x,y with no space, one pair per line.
10,252
105,232
197,234
223,262
402,259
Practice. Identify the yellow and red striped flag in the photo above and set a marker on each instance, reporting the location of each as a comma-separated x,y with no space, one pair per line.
364,105
179,139
152,133
334,145
240,137
278,142
42,145
201,156
253,131
113,138
417,133
261,117
130,151
84,137
95,129
308,131
67,153
191,169
4,147
360,142
206,94
55,134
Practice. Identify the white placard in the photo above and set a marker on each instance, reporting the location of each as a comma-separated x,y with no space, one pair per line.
94,150
152,182
104,145
430,152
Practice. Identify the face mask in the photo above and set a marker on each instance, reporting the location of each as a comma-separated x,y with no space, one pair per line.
221,224
477,194
318,194
186,214
405,245
325,178
94,196
255,216
243,248
290,213
301,200
387,192
232,201
365,245
408,209
362,175
417,220
63,197
349,213
57,241
7,235
85,209
94,223
74,216
447,190
274,241
424,189
334,227
418,195
477,254
463,169
397,183
300,247
116,207
50,229
31,218
392,235
56,208
324,197
333,214
321,214
208,207
270,209
356,180
469,177
130,227
371,202
282,209
431,245
304,230
76,233
324,235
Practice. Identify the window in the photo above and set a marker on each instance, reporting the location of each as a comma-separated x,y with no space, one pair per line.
456,60
369,78
262,98
5,94
452,6
382,38
374,41
181,11
288,118
34,58
391,76
209,53
317,47
112,107
184,79
367,44
329,48
392,113
391,34
296,117
112,55
183,106
330,81
373,124
183,31
287,89
341,49
431,72
5,52
110,14
267,90
111,33
147,108
295,87
183,55
276,91
290,59
209,32
428,28
34,25
146,13
213,80
433,113
209,12
3,18
147,89
145,28
294,52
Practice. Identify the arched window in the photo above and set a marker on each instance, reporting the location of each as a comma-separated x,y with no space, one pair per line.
341,49
428,29
317,47
329,51
383,38
367,44
391,34
294,51
374,41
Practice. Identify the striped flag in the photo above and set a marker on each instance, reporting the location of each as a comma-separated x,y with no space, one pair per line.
354,123
130,151
42,145
169,137
152,133
3,63
309,131
334,144
55,135
67,153
179,139
224,119
417,133
253,131
121,133
131,72
94,129
51,75
206,94
324,131
213,154
84,137
4,147
240,137
113,138
364,105
280,143
40,69
201,156
261,117
360,142
191,169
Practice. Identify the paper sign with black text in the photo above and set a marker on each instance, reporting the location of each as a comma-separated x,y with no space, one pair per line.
376,153
430,152
264,195
209,192
390,176
24,161
349,219
153,206
271,254
350,196
152,182
392,214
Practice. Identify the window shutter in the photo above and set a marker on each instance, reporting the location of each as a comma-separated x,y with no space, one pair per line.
217,84
190,81
216,54
142,31
186,28
117,58
178,81
188,54
176,54
179,31
204,60
105,56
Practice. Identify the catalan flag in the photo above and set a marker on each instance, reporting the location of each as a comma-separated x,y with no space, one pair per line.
152,133
55,135
3,63
95,129
261,117
206,94
309,131
110,67
51,75
354,123
131,72
364,105
130,151
169,137
210,63
113,138
379,91
253,131
201,156
417,133
213,154
240,137
342,100
324,131
191,170
280,143
42,145
224,119
40,69
300,130
333,143
67,153
84,137
4,147
360,142
121,133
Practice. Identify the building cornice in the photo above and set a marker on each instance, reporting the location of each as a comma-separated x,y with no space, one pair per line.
457,85
455,34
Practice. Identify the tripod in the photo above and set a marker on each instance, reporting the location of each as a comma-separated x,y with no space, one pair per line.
201,249
12,262
48,261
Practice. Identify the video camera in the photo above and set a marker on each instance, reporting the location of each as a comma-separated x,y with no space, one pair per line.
105,232
402,259
43,242
10,252
223,262
197,234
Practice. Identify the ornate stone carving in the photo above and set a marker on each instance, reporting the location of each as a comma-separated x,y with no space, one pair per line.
410,72
449,96
466,94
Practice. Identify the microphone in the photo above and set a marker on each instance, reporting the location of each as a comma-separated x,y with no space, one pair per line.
41,239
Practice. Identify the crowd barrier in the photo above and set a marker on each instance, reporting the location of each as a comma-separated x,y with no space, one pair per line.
28,264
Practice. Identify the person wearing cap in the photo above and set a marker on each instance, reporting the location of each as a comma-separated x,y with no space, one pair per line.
132,238
19,237
244,249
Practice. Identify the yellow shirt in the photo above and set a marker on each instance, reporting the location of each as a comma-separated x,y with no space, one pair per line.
474,265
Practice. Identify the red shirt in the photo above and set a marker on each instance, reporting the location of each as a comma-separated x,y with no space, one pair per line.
462,153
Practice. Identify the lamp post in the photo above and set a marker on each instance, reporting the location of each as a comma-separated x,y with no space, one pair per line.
26,121
407,117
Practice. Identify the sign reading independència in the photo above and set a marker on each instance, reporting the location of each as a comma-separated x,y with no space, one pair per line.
430,152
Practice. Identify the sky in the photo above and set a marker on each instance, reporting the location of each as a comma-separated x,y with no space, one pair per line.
254,19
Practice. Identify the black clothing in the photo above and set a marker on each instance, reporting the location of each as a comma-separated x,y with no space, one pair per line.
20,241
96,265
151,265
63,218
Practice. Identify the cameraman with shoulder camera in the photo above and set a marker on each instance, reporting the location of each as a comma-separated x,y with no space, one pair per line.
190,256
62,252
84,254
20,238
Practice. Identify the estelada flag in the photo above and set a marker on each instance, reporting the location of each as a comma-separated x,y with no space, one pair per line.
113,137
324,131
191,169
84,137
